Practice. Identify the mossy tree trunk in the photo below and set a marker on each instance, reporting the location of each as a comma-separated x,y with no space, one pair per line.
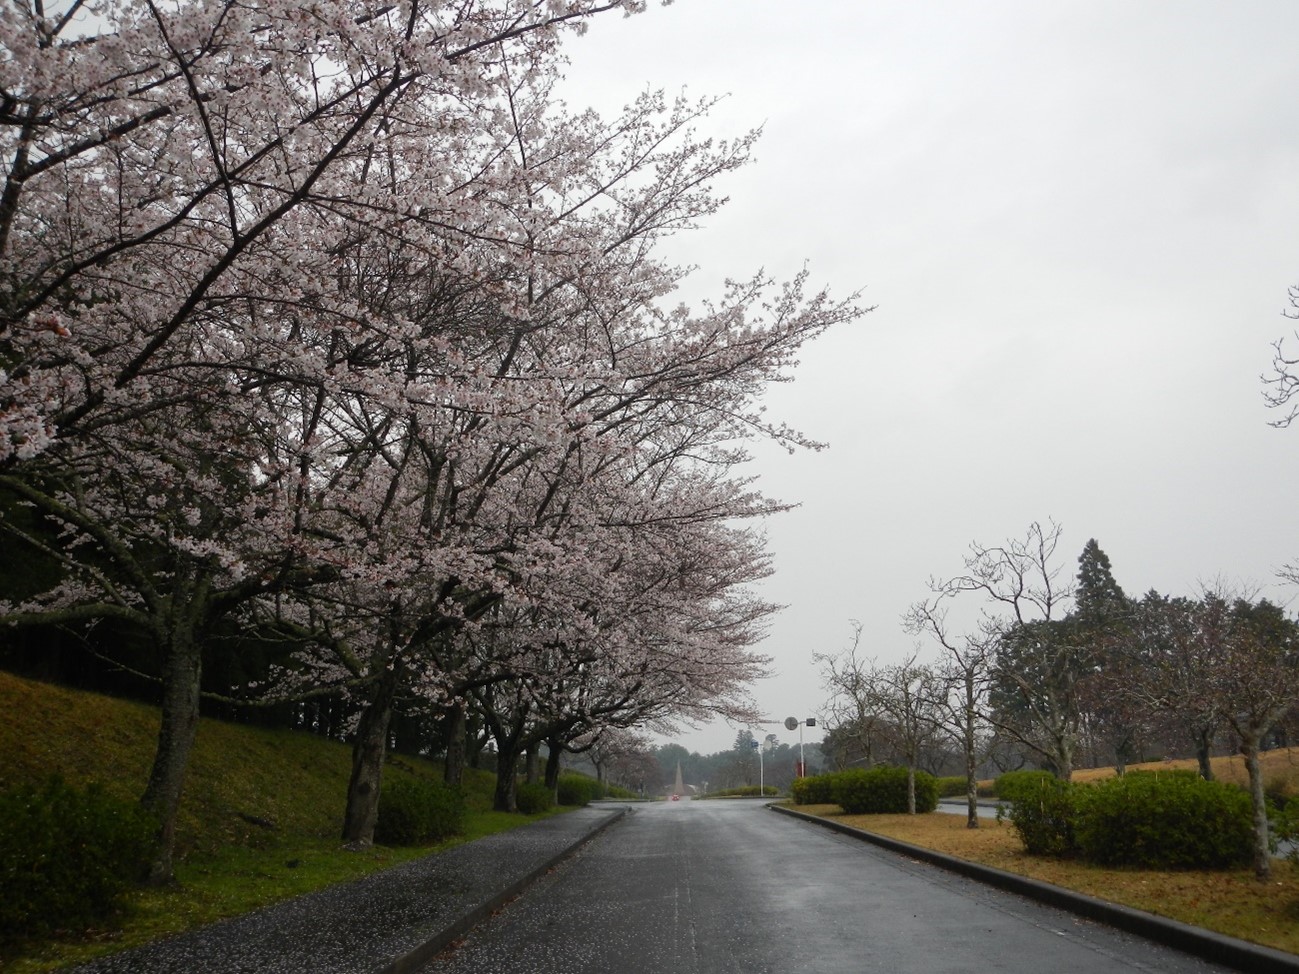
1249,747
505,798
555,751
453,767
178,728
1203,745
368,752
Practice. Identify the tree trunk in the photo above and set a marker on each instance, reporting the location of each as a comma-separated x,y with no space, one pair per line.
182,671
1123,751
453,768
971,763
1064,757
553,755
530,755
1262,854
475,743
507,762
368,752
1202,747
911,788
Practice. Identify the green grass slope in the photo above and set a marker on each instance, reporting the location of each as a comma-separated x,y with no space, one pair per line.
238,776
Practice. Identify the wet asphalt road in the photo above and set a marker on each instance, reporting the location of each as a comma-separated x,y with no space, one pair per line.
728,886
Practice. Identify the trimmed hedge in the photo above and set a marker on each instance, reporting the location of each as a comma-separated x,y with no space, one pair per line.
952,786
67,856
578,789
815,790
883,790
1155,820
534,798
1164,821
1011,785
746,791
419,811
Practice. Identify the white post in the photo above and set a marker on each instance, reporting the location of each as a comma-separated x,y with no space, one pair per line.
802,767
762,783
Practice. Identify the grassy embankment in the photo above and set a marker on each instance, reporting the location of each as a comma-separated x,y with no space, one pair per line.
228,864
1230,902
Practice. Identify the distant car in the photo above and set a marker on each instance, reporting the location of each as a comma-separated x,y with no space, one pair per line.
676,798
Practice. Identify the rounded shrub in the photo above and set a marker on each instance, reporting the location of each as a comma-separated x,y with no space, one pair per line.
578,789
67,856
1164,821
534,798
1042,811
883,790
418,811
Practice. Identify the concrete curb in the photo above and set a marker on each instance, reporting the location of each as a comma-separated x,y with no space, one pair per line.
438,942
1220,949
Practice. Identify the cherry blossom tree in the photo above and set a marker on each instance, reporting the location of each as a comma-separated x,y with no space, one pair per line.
332,319
626,393
620,755
181,182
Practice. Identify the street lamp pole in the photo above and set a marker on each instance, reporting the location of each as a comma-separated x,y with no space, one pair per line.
802,765
790,724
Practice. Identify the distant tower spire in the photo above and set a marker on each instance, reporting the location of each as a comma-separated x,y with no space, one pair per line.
677,787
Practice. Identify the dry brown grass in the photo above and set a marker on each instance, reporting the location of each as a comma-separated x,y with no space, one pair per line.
1233,902
1280,765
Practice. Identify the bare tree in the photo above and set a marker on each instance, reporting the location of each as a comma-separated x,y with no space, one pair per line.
893,704
1035,666
850,710
1221,659
960,704
1020,577
1281,385
905,695
1162,668
1254,681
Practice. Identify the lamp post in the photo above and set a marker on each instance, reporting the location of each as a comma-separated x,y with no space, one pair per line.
790,724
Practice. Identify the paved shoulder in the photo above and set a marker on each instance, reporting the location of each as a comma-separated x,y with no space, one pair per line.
388,922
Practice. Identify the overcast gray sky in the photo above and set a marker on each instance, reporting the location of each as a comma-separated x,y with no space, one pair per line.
1078,221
